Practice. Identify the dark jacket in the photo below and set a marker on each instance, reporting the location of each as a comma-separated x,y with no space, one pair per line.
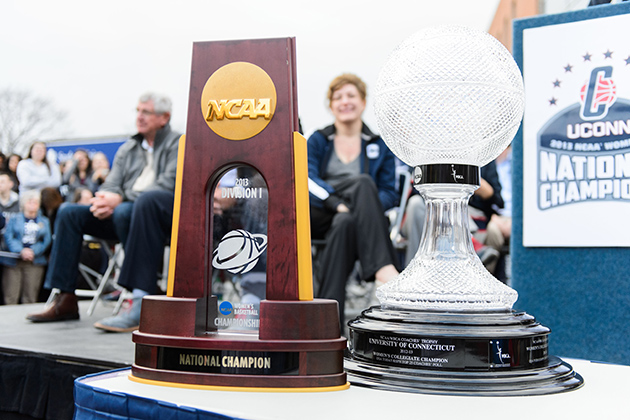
11,207
376,160
489,173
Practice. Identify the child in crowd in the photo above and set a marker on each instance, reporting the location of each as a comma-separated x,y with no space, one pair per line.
83,196
27,234
9,204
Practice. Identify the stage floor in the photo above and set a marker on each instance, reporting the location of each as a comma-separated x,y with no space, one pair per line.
70,340
39,362
603,396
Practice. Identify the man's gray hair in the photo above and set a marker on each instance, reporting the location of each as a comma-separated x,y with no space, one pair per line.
161,103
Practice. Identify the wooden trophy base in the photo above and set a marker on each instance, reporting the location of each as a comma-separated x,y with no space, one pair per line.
298,346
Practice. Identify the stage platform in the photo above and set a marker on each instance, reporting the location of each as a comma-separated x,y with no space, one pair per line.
39,362
113,395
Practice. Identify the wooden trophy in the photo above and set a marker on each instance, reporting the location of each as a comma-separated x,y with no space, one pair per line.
242,153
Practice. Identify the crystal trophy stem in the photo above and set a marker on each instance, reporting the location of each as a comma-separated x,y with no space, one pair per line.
446,274
446,234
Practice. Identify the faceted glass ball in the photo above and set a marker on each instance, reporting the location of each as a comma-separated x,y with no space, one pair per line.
449,94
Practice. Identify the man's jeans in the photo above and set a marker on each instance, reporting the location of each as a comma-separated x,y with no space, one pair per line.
142,227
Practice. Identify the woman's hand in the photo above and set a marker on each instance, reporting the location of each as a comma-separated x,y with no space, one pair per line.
100,173
342,208
27,254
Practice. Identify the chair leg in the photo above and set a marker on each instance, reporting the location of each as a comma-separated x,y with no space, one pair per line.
111,267
51,297
89,275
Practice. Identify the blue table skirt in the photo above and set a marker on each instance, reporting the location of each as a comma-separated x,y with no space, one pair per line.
96,403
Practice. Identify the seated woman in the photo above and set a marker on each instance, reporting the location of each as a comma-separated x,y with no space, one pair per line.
351,183
100,168
36,172
78,174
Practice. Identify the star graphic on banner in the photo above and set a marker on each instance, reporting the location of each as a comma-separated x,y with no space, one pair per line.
588,59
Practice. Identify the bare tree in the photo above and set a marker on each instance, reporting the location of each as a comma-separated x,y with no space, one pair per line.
24,118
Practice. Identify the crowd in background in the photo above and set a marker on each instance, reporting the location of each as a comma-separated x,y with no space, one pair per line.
353,181
32,189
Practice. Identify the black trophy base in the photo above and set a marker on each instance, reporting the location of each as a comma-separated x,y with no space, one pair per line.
467,353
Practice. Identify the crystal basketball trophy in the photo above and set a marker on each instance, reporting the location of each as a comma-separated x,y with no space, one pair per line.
448,101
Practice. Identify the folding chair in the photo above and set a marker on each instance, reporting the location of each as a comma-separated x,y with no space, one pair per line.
95,280
396,214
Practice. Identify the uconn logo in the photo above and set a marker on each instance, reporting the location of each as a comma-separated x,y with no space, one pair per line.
584,148
598,94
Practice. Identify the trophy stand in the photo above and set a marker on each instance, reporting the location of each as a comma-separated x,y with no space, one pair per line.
241,156
448,101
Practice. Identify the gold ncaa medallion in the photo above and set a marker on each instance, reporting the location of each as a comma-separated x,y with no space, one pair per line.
238,100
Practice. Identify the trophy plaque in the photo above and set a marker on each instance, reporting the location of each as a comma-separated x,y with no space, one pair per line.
448,101
241,219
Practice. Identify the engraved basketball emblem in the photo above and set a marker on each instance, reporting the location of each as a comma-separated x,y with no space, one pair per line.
239,251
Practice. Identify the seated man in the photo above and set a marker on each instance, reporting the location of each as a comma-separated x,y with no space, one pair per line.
134,206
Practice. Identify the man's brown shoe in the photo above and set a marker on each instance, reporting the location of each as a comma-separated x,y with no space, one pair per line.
64,307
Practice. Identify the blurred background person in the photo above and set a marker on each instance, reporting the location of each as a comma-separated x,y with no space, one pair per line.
11,168
485,202
77,174
9,200
499,228
27,234
100,169
82,196
51,201
134,206
36,172
351,184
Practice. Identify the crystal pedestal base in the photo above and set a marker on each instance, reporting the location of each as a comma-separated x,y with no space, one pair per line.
466,353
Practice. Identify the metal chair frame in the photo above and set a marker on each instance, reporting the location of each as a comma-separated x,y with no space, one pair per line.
96,280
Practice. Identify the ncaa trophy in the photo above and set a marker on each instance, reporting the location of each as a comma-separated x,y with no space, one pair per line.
448,101
241,217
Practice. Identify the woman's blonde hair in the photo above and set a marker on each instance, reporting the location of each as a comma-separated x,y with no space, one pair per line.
347,78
